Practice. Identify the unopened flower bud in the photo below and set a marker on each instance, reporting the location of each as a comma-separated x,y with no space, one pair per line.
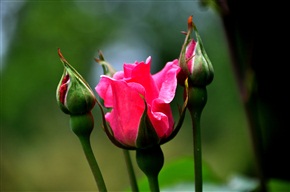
74,96
199,65
194,61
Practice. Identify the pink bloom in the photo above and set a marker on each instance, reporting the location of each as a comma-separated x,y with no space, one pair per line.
127,93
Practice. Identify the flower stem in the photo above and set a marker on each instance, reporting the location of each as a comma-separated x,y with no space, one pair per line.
197,150
130,169
82,125
196,103
150,161
85,141
153,183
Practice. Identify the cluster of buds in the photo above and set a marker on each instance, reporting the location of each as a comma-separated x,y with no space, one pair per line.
146,119
139,114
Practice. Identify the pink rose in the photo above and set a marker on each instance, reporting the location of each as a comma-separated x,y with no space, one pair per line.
127,93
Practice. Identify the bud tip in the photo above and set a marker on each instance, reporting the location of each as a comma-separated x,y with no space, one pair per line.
61,56
189,22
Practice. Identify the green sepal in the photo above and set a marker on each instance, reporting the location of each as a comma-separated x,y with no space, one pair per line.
182,58
107,67
147,136
202,72
181,117
80,99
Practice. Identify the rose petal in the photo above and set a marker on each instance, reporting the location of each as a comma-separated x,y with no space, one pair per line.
128,107
166,81
141,74
161,118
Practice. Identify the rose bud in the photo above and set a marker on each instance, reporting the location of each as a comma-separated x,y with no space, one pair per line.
74,96
194,61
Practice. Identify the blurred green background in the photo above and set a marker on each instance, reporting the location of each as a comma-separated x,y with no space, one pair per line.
38,150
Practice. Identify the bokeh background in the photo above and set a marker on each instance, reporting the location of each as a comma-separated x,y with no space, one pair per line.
39,152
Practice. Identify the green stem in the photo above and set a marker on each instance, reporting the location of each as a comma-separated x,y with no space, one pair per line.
130,169
150,161
85,141
197,150
153,183
196,103
82,125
